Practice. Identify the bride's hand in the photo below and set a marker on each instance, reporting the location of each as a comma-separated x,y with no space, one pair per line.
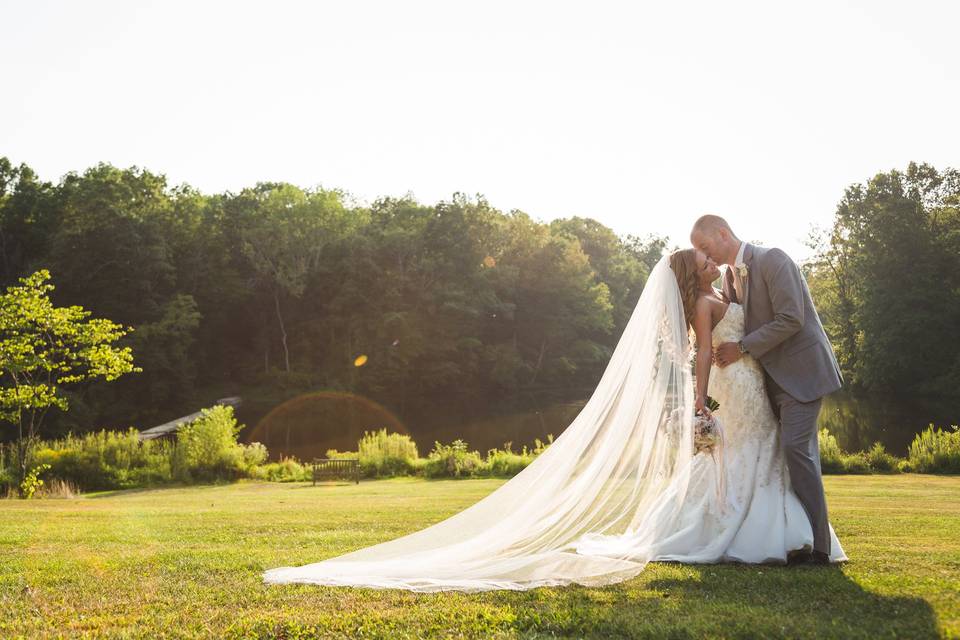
701,406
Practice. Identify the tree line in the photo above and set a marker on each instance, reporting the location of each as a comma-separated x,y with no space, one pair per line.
278,290
886,281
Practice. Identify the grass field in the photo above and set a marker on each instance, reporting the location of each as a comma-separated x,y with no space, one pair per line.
186,562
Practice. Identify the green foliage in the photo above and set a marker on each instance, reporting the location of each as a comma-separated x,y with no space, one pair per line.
936,451
44,348
452,460
880,460
505,462
342,455
383,454
207,448
286,470
886,281
834,460
831,456
107,460
32,481
254,454
449,300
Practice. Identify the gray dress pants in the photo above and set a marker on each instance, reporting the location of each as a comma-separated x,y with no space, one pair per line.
798,439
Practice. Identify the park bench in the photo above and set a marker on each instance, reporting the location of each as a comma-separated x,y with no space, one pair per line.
335,468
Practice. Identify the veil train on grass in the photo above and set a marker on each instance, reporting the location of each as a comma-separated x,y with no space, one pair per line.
622,465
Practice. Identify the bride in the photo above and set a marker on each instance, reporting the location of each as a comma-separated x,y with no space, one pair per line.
623,484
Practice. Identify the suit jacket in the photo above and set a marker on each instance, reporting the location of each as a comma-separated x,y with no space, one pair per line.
783,330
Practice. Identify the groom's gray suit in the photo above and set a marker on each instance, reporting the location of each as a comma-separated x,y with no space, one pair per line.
783,332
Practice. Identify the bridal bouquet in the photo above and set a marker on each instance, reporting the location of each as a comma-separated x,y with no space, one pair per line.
708,438
706,430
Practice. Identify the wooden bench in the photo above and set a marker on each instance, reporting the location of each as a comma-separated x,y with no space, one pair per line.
335,468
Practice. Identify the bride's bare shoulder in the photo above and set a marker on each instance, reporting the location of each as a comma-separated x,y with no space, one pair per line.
708,305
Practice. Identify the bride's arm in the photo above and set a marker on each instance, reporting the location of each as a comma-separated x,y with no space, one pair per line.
703,327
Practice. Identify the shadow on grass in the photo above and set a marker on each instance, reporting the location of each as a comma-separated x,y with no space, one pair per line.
735,601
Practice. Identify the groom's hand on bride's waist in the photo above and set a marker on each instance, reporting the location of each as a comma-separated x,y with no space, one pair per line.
726,354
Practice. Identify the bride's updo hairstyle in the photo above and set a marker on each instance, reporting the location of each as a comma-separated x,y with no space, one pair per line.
684,265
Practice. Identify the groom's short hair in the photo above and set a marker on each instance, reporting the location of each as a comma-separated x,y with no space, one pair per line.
709,224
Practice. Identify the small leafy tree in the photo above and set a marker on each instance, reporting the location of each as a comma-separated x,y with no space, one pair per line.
42,349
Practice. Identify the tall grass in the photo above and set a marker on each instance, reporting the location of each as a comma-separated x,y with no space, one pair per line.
382,454
205,449
936,451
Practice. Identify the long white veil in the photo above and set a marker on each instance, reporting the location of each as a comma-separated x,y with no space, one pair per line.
618,472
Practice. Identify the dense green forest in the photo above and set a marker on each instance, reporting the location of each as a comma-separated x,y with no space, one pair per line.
886,279
457,311
444,315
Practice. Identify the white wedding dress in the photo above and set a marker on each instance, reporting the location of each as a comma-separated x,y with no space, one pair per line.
619,487
759,519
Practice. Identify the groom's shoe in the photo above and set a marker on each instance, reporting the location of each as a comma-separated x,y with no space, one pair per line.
809,558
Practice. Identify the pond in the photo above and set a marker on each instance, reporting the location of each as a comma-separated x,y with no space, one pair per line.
859,420
308,425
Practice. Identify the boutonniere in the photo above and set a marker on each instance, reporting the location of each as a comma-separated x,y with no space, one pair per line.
743,270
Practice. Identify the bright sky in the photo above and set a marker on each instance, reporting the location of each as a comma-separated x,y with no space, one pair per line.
641,115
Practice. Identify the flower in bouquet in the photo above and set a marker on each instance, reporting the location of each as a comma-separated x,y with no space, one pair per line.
706,429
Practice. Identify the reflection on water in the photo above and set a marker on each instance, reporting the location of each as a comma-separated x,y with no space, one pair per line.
859,420
306,426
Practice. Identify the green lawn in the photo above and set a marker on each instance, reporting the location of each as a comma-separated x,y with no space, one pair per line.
186,562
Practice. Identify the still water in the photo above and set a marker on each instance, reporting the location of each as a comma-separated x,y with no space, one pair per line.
307,426
859,420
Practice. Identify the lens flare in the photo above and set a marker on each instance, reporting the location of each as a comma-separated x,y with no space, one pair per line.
307,425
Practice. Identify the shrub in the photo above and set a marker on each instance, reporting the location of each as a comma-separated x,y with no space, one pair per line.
452,460
343,455
855,463
254,454
286,470
207,448
936,451
106,460
831,456
880,460
32,482
833,459
506,462
383,454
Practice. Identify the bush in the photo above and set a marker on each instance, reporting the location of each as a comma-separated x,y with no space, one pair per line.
106,460
333,454
880,460
831,456
254,454
286,470
207,448
833,459
452,460
936,451
383,454
855,463
507,462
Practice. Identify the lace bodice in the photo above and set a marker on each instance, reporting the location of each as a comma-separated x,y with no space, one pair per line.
731,325
739,387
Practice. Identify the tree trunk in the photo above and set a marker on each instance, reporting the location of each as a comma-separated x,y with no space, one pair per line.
536,369
283,330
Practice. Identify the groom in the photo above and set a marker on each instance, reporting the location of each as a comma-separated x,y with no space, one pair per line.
784,334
